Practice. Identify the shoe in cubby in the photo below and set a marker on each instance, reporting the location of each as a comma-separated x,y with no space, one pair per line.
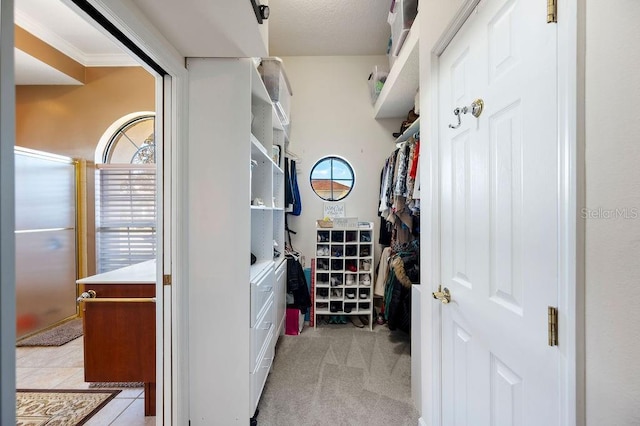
351,250
323,236
322,293
337,251
351,236
336,280
364,294
336,293
365,251
348,307
322,306
365,265
337,265
322,279
337,236
335,306
350,279
350,293
365,237
351,265
322,264
365,280
322,250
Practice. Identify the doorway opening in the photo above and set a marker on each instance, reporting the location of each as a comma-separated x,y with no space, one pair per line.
64,106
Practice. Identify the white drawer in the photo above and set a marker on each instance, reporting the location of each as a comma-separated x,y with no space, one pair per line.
259,374
280,271
261,290
260,332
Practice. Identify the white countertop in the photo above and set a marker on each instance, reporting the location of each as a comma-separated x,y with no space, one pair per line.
140,273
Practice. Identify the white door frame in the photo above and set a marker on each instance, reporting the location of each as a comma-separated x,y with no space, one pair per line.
571,265
171,344
7,222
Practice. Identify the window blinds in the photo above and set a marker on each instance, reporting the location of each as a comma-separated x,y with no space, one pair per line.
125,215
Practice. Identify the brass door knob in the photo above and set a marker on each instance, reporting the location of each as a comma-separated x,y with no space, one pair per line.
442,295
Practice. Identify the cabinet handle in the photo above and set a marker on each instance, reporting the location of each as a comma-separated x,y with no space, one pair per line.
89,294
267,325
268,289
121,300
266,359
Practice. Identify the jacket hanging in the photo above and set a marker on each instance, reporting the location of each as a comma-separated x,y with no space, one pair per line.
297,203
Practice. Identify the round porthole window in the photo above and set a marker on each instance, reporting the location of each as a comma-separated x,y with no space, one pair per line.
332,178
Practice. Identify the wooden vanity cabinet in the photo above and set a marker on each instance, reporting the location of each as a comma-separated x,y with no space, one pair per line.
120,336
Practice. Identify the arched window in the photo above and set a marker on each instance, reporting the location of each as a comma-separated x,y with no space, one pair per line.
126,193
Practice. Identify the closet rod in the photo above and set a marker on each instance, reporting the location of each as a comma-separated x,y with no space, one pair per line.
291,155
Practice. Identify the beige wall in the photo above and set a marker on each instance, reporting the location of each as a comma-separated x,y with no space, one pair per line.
612,249
69,120
332,115
42,51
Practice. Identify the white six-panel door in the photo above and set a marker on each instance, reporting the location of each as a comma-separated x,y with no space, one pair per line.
499,218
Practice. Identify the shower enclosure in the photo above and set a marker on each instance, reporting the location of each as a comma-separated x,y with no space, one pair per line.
46,256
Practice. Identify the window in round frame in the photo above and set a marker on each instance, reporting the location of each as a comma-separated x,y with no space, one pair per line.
332,178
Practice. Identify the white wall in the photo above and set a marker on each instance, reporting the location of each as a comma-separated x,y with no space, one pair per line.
612,182
332,115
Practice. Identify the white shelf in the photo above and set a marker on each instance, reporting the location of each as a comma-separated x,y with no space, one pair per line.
335,269
411,130
258,150
397,97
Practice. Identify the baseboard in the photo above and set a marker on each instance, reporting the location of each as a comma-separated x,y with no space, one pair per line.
422,422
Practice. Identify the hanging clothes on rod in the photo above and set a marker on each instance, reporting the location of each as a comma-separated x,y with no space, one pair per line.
399,208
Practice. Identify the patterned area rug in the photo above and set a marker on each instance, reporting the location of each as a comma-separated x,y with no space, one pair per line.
59,407
56,336
99,385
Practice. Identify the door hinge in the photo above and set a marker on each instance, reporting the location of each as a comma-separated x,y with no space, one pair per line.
552,11
553,326
166,279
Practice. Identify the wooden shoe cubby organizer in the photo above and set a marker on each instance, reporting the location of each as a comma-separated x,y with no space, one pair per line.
344,272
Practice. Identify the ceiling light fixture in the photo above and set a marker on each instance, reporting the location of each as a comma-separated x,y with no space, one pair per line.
261,11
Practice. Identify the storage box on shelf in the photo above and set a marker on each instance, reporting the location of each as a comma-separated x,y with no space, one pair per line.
344,272
401,18
277,84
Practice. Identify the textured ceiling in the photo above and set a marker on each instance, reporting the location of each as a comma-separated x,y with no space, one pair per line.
328,27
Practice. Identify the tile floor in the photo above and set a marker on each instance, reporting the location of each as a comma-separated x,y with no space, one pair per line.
62,368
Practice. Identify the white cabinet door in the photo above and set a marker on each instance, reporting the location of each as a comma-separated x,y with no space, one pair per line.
499,235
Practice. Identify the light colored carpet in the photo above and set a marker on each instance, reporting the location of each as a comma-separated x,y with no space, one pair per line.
59,407
56,336
340,375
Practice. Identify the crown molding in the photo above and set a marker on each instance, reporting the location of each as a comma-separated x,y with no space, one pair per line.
58,43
